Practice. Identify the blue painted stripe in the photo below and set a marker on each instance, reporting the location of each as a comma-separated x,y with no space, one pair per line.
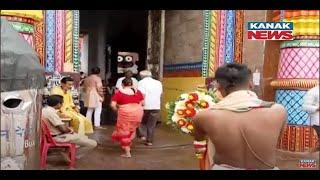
183,66
50,40
292,100
230,34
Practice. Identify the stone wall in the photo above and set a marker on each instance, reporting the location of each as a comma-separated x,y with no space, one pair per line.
183,36
253,51
90,22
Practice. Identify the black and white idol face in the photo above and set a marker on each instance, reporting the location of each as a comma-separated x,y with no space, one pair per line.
127,61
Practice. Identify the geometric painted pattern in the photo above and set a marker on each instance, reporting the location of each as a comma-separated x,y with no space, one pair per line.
304,84
222,43
183,66
205,48
306,22
292,100
23,27
183,70
222,37
29,39
298,138
75,36
214,39
40,41
50,39
68,66
229,54
59,42
300,43
299,63
239,36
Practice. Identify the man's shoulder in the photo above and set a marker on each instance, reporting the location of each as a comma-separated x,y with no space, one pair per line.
56,89
142,81
48,111
206,114
155,81
46,108
278,108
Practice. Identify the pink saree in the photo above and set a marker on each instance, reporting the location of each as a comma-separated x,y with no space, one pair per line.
128,120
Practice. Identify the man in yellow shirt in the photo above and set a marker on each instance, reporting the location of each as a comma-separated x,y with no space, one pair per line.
79,123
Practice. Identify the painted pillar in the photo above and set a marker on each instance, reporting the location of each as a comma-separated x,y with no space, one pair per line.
29,24
223,40
62,41
20,132
298,71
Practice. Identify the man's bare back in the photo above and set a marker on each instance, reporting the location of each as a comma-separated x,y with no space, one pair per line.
260,127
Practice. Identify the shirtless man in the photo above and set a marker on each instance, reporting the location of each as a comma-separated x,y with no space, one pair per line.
244,130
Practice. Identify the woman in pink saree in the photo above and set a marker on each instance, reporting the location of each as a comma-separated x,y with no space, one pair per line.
128,104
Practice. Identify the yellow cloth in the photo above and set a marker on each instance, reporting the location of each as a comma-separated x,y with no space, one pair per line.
305,26
33,14
79,123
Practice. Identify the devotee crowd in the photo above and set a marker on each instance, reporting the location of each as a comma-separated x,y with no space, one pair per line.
241,131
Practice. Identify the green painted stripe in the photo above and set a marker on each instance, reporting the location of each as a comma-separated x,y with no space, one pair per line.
23,27
300,43
205,48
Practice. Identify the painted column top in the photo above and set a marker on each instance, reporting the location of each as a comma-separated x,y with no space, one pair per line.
33,14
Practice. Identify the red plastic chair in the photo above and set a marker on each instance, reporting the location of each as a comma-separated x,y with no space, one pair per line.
48,142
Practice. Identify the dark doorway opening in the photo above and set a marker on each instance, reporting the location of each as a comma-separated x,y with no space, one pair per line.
127,32
110,32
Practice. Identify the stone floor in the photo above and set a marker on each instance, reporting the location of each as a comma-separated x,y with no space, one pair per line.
171,151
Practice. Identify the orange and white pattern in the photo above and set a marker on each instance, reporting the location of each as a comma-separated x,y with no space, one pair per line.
68,66
294,83
181,112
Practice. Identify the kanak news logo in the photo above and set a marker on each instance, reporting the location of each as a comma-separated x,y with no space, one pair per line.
270,30
307,163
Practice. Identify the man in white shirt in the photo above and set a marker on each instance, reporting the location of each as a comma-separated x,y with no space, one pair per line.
127,74
151,90
311,106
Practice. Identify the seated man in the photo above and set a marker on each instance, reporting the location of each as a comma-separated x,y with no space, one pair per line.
59,131
243,129
79,123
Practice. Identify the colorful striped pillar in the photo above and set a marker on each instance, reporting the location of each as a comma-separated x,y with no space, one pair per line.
223,39
298,71
62,40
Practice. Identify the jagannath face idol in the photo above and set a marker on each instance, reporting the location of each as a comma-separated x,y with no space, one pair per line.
127,61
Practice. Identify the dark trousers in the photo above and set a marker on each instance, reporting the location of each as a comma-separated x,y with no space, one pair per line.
83,110
148,124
